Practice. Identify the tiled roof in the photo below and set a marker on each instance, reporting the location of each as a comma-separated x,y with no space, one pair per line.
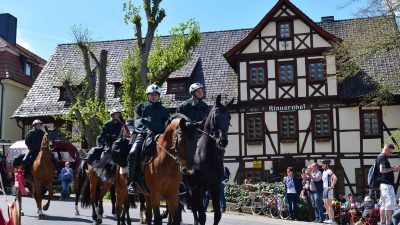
207,66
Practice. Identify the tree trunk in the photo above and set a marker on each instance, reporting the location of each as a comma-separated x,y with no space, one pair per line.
102,78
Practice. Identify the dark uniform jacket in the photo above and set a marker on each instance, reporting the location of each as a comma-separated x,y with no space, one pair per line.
34,139
150,116
110,132
195,112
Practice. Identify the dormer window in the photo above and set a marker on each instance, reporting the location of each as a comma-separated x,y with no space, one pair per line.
176,86
28,69
118,91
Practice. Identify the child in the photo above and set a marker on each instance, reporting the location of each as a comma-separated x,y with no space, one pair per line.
368,205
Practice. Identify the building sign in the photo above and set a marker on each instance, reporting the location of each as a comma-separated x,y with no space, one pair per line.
294,107
257,164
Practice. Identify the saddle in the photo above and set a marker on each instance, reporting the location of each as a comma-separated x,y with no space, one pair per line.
94,154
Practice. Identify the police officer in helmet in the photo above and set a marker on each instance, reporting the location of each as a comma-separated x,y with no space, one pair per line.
111,129
150,117
33,140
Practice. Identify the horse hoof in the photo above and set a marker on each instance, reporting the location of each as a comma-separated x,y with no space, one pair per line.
77,213
114,216
22,213
41,216
99,221
45,208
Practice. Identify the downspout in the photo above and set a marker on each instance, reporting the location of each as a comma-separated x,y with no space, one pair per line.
1,105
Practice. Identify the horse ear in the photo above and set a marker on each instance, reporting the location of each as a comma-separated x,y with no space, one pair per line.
231,102
46,129
218,101
182,123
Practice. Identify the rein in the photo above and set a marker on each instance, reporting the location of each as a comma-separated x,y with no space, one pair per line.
174,147
208,134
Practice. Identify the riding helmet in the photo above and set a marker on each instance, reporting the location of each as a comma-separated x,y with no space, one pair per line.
152,88
194,87
37,121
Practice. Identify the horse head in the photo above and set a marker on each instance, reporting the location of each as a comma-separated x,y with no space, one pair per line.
48,138
219,122
183,134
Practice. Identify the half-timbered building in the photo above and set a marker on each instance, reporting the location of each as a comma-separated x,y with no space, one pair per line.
289,108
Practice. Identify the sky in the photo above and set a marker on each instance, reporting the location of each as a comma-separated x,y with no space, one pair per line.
44,24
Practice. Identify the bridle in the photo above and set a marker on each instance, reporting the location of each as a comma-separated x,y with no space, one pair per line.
174,148
210,135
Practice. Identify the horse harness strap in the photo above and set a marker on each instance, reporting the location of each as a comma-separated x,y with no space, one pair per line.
208,134
174,147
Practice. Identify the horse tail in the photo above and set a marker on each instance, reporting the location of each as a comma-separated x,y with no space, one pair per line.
85,190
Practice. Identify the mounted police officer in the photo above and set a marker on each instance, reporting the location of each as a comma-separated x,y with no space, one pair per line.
111,129
150,117
33,140
194,108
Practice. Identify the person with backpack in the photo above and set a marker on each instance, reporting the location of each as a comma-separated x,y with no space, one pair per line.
386,179
292,192
329,180
316,191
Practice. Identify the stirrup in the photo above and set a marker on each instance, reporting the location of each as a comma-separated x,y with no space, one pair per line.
131,188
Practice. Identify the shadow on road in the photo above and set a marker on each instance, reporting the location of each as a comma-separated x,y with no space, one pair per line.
62,218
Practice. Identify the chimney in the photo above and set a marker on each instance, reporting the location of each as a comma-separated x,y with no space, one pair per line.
327,19
8,28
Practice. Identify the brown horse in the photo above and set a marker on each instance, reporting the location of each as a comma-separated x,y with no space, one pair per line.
163,173
122,203
43,172
93,191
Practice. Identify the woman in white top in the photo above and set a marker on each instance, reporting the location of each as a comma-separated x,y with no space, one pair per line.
329,181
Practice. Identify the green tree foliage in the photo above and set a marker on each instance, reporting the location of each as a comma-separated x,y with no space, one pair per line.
86,95
151,60
370,39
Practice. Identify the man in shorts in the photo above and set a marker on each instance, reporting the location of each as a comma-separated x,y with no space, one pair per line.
388,197
329,180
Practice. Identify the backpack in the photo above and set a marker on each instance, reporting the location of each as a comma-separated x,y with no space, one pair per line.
373,177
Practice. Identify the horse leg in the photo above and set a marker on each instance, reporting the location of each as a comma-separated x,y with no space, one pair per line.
113,200
38,198
143,210
126,212
105,188
79,183
198,207
149,210
216,197
173,211
94,213
49,187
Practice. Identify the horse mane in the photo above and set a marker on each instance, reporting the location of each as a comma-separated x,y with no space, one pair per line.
177,115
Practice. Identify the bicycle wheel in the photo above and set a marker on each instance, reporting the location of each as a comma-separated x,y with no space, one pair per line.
283,209
274,210
257,206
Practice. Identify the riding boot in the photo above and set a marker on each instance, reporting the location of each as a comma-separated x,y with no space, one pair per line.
139,179
25,161
131,172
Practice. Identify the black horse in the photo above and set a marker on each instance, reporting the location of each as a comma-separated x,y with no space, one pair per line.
208,168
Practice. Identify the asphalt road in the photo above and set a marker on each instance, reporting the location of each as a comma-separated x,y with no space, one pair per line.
63,213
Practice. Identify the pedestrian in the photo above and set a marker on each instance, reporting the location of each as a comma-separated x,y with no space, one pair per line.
316,191
388,196
67,175
227,175
150,118
292,192
329,180
396,214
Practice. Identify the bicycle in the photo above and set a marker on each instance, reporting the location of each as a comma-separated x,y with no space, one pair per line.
260,203
280,208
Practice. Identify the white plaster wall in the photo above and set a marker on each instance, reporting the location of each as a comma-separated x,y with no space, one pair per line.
285,59
291,92
372,145
349,118
263,93
232,149
311,90
300,27
282,45
304,119
349,142
308,146
307,42
269,30
271,90
301,67
243,91
243,71
252,47
271,68
258,61
323,146
390,116
234,122
269,49
269,149
330,64
271,119
267,165
332,85
277,13
290,12
319,41
288,148
302,87
254,149
349,166
233,168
